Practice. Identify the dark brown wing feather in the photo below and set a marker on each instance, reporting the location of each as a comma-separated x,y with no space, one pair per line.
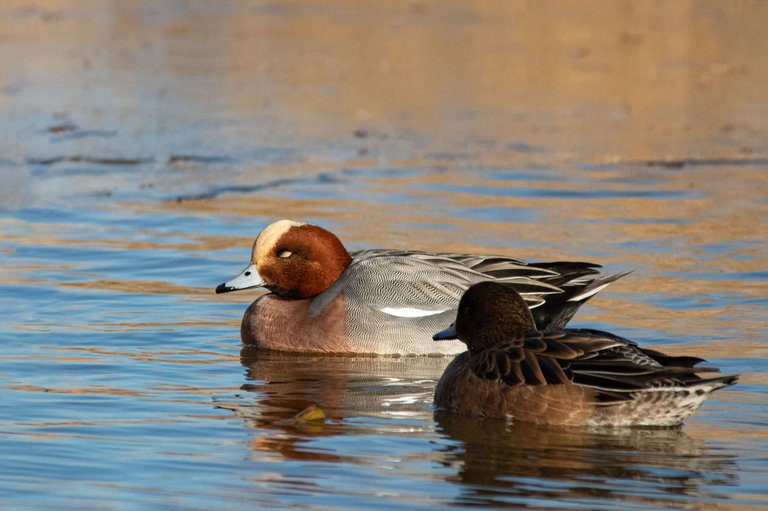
536,359
613,366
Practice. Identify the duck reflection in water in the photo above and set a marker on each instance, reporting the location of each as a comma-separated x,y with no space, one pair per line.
358,395
501,462
494,462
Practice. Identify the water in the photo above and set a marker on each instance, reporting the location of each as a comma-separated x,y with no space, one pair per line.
145,144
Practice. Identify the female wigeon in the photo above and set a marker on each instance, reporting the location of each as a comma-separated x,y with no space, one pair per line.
325,299
561,377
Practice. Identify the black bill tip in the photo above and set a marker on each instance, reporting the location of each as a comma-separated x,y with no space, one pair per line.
223,288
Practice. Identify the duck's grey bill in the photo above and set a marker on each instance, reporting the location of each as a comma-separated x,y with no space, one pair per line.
248,278
448,334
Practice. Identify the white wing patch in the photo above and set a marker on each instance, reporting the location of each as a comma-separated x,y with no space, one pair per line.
409,312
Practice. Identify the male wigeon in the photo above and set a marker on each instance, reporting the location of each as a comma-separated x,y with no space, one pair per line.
326,299
564,377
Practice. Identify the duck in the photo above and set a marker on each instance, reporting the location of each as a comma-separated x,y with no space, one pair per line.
324,299
561,377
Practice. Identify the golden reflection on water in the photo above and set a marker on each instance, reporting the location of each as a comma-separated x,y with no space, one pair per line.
598,80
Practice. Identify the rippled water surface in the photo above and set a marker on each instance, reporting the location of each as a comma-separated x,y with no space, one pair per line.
145,144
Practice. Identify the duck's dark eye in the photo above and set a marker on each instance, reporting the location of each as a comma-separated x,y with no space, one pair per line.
247,274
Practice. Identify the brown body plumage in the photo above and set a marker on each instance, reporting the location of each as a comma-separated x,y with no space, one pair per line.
565,377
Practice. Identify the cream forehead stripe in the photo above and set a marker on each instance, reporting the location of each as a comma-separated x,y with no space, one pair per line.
269,237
